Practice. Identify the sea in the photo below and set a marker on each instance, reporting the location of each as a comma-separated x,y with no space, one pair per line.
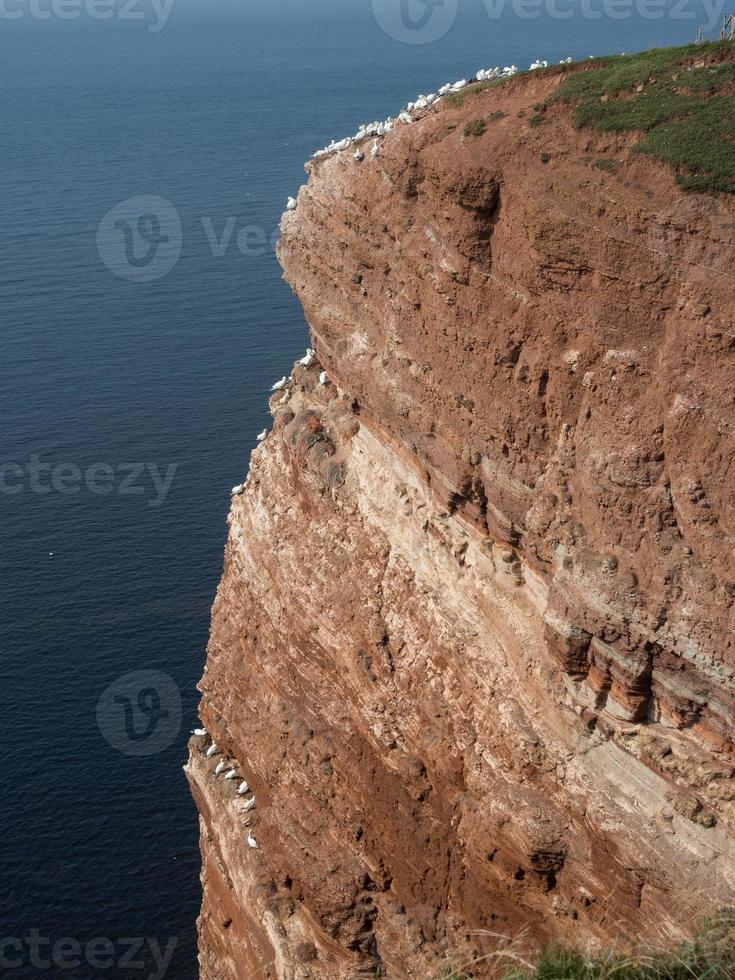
147,149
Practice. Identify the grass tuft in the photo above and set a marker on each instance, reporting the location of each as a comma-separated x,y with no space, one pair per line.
710,956
475,128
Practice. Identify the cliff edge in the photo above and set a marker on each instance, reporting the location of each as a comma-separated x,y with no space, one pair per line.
472,650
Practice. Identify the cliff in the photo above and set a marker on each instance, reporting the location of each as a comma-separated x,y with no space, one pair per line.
473,644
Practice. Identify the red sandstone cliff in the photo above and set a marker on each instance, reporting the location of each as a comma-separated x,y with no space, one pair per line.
473,645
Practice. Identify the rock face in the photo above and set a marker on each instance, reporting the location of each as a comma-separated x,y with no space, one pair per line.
473,644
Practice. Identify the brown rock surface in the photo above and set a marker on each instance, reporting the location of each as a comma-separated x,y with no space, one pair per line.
473,644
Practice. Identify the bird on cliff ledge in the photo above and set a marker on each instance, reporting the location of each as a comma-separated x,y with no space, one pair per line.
308,359
252,842
199,731
262,436
323,378
212,750
249,804
242,788
220,767
280,385
291,204
232,774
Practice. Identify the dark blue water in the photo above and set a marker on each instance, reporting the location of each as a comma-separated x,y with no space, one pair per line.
216,114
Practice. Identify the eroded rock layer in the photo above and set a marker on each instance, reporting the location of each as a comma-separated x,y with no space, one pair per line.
473,644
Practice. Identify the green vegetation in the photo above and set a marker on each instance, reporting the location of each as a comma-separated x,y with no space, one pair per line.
711,956
681,99
538,119
475,128
458,98
570,965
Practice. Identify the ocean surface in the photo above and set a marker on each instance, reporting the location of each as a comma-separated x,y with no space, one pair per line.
131,391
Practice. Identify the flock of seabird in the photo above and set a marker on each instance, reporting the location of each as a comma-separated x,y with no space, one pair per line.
377,130
229,769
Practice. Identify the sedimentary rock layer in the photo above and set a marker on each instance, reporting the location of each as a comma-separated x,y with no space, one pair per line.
473,643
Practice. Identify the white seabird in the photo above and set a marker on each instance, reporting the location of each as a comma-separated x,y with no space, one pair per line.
359,156
375,151
310,356
236,491
252,842
280,385
291,204
232,774
242,788
212,750
262,436
199,731
249,804
323,378
220,767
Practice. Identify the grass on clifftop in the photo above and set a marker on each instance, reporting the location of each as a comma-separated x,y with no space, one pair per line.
686,113
711,956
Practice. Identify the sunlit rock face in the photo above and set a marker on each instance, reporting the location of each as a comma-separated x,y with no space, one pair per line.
473,644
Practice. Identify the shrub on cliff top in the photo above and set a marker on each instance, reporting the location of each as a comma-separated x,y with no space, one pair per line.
681,99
